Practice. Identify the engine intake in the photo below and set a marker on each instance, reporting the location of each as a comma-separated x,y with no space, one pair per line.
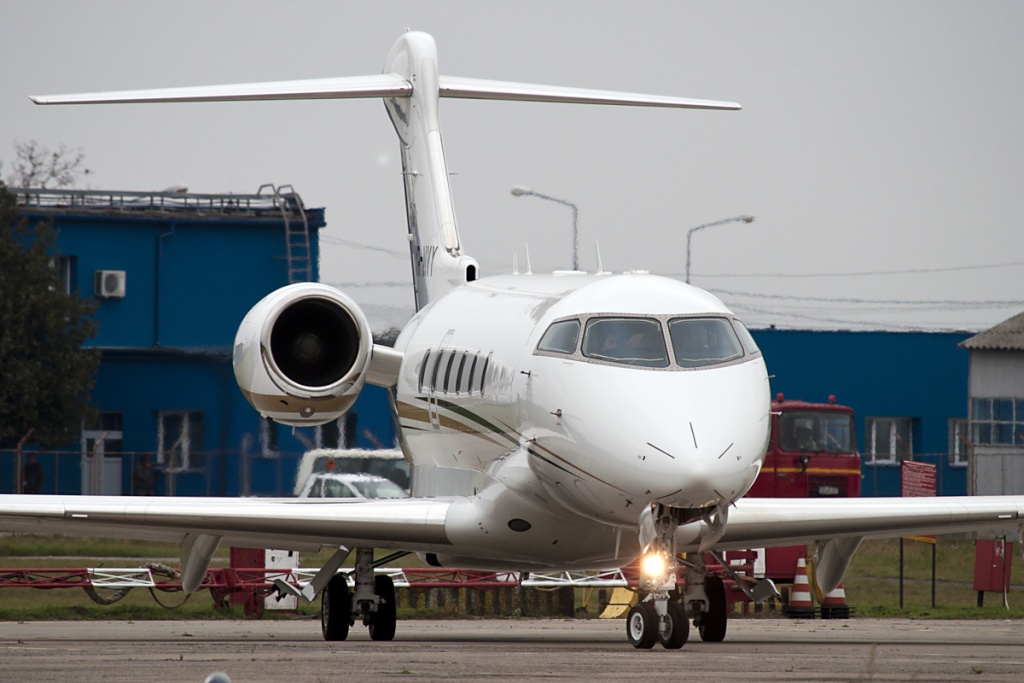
302,353
314,343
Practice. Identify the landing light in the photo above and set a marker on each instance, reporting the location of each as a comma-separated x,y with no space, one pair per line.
654,565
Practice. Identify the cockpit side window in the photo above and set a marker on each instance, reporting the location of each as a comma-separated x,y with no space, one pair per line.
560,337
699,342
630,341
745,337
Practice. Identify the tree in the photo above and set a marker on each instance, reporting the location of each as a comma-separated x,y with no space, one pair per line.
37,166
46,374
388,337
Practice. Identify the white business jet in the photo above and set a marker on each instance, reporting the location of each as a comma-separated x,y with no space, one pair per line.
571,421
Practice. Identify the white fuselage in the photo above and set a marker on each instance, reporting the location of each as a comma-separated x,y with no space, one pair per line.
485,414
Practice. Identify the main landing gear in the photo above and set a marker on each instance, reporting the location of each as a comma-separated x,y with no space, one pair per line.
372,600
663,615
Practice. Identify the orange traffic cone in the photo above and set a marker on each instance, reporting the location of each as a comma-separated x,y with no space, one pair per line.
801,606
834,606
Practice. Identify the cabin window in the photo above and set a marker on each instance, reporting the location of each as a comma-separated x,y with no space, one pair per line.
560,337
483,372
699,342
448,371
437,367
630,341
462,369
423,370
471,375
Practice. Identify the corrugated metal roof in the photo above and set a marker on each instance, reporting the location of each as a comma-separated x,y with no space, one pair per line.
1006,336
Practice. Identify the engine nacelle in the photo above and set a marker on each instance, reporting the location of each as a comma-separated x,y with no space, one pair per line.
302,353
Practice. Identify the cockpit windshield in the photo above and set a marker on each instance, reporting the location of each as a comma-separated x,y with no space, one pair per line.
630,341
703,341
692,342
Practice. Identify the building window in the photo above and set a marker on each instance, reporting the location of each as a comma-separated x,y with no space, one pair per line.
67,270
959,443
889,439
997,421
350,429
330,434
268,438
180,439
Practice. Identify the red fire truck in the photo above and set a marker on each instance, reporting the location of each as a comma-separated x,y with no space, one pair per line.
812,453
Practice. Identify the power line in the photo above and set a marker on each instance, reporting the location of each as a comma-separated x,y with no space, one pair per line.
991,303
865,273
360,245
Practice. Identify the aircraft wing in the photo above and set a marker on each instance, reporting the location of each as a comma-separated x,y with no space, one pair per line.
762,522
837,526
286,523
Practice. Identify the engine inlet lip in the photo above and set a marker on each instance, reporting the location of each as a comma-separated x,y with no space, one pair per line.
332,320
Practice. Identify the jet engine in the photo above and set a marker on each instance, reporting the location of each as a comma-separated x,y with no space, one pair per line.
302,353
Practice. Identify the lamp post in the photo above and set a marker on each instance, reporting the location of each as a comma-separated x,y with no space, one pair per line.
689,236
519,191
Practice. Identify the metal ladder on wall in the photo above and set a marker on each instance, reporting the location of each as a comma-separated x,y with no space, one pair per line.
296,232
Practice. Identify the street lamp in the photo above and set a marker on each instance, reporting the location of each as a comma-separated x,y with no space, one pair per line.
519,191
689,236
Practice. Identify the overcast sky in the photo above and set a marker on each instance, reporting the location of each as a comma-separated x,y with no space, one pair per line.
880,144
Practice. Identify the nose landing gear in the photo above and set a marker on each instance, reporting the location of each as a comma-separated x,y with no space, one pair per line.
661,616
664,615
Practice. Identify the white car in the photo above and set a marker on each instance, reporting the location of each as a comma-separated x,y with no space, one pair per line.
389,463
344,485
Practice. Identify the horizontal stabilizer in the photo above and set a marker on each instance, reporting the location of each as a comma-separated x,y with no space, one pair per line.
483,89
382,85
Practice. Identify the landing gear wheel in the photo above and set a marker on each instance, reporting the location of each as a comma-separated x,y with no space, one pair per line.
336,609
713,623
642,626
677,627
384,620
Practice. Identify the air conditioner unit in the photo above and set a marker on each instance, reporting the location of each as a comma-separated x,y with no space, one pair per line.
110,284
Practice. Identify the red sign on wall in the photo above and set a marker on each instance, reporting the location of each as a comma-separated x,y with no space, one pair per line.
917,479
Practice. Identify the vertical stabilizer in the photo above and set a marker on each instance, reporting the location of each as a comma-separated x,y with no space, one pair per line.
438,263
411,88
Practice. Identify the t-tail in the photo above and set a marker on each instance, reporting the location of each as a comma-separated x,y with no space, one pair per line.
411,88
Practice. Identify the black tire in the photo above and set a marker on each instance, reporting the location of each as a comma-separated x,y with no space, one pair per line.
713,624
336,609
642,626
384,621
677,628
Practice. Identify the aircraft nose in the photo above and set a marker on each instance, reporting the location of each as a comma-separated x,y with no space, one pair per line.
711,452
717,472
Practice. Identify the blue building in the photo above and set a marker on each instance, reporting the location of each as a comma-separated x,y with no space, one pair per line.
908,391
174,274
